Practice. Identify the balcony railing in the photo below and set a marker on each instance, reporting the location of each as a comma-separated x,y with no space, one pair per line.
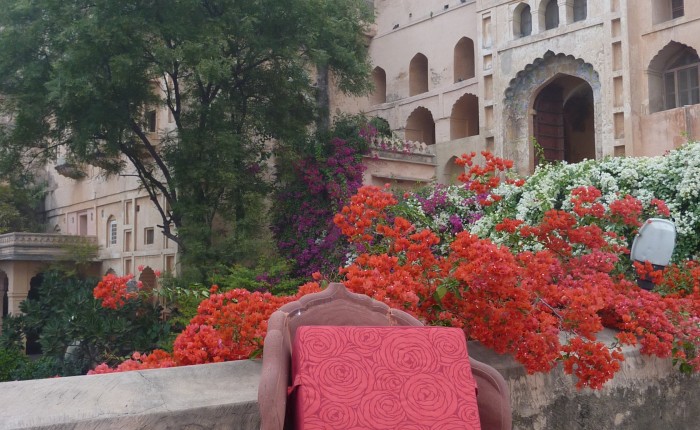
40,246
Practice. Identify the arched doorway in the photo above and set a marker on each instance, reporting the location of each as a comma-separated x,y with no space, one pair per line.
453,171
519,105
420,126
563,123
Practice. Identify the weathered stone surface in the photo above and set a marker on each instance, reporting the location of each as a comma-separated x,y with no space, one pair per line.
647,393
214,396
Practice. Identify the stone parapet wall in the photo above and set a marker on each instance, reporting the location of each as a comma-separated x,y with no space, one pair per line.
212,396
648,393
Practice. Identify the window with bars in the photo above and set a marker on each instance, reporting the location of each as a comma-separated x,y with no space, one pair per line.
111,231
682,81
149,236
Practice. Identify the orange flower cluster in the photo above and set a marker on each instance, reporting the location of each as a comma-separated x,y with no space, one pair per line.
483,179
520,302
228,326
113,291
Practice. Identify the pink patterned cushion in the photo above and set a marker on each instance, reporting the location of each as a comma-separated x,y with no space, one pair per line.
411,378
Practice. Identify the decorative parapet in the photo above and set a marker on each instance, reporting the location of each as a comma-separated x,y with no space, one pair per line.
40,246
404,150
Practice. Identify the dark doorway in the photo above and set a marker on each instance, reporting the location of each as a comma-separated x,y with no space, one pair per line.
4,286
564,123
33,345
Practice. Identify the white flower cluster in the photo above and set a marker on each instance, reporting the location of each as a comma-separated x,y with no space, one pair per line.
673,178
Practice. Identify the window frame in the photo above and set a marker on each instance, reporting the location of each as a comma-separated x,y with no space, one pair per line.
149,236
112,230
677,93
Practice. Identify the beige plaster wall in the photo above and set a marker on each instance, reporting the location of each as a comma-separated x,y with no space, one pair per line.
655,133
98,198
614,44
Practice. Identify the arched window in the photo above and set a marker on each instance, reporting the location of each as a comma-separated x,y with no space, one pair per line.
464,119
111,239
522,21
665,10
379,78
551,15
418,75
464,59
420,126
681,80
674,77
580,10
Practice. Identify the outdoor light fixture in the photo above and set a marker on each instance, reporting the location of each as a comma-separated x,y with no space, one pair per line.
132,286
654,243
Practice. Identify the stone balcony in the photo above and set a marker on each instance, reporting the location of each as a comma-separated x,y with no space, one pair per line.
40,246
400,162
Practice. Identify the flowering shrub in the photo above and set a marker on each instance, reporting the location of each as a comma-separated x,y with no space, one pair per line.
228,326
673,178
538,282
112,290
521,301
319,184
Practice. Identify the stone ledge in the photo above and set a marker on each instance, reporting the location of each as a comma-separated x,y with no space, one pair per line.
647,393
212,396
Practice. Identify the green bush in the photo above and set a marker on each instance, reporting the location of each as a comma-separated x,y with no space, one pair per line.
75,332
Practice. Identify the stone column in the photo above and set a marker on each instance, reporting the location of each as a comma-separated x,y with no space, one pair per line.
19,274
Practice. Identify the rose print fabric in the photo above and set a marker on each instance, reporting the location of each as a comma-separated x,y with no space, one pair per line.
410,378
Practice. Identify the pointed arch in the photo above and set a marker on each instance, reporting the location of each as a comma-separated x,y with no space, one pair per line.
464,60
420,126
148,278
522,20
519,99
674,77
379,94
549,14
453,171
464,119
111,231
418,75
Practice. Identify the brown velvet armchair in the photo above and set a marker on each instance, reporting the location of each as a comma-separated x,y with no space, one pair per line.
337,306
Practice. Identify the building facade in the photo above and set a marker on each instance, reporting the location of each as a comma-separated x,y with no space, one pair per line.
582,78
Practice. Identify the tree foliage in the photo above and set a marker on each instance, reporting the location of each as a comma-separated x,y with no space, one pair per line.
19,208
79,78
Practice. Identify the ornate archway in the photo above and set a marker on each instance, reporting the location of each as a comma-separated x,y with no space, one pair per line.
520,97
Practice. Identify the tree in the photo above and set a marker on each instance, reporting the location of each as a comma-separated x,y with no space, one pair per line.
79,78
20,207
